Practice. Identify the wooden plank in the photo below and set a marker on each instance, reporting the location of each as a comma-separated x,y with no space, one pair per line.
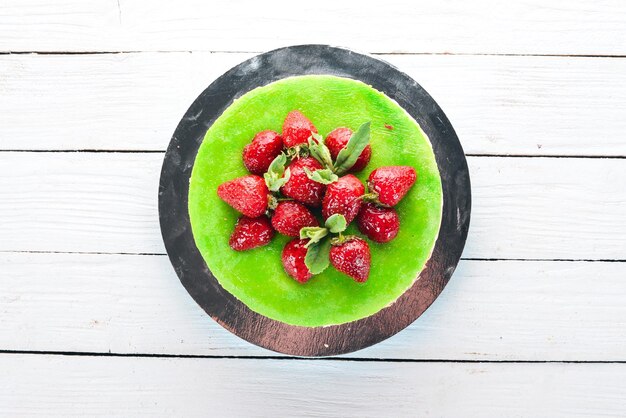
506,310
479,26
127,101
105,386
540,208
547,208
498,105
80,202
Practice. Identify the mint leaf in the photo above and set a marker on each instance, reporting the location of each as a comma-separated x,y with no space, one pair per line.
325,176
317,138
276,175
320,151
355,146
336,223
278,164
313,233
317,256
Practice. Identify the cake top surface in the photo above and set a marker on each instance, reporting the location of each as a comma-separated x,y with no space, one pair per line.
256,277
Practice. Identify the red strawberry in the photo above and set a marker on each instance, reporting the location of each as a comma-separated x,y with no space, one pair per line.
352,257
247,194
378,223
344,197
259,154
391,183
293,260
251,233
338,139
290,217
299,186
297,129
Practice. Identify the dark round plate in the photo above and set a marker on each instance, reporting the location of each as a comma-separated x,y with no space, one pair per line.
227,310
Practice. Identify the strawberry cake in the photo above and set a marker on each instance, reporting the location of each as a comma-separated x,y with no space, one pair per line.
315,200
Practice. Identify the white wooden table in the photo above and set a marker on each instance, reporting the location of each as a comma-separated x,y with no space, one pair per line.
93,320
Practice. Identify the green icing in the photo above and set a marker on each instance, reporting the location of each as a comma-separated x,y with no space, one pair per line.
256,277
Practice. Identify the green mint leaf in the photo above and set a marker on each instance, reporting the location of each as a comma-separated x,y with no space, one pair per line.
317,256
325,176
336,223
355,146
313,233
317,137
278,165
286,177
276,175
320,151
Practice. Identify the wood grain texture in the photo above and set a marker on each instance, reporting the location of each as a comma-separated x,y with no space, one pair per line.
497,105
523,208
101,386
479,26
541,208
506,310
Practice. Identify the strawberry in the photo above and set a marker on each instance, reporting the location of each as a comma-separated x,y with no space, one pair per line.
293,260
259,154
251,233
343,197
247,194
391,184
300,187
378,223
297,129
290,217
352,257
338,139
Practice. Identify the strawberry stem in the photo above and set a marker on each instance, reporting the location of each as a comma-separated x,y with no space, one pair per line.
370,197
299,151
272,202
340,239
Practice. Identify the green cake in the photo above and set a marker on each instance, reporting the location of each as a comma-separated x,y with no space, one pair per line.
256,277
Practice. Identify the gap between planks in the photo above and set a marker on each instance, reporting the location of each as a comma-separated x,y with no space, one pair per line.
564,260
278,357
382,53
156,151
